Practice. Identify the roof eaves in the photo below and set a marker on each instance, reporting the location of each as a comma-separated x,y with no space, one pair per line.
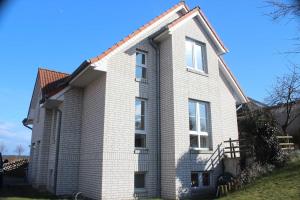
141,29
234,79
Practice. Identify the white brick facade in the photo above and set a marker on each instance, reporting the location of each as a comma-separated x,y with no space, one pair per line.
96,153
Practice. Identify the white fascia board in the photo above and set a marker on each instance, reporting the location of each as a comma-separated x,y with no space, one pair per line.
206,26
78,75
233,83
103,62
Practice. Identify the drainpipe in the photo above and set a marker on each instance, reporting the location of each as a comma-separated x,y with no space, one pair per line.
24,124
57,150
157,52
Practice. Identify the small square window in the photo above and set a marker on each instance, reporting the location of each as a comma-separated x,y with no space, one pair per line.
200,179
139,180
140,140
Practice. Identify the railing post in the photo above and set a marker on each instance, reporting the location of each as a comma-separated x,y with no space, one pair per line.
230,147
219,153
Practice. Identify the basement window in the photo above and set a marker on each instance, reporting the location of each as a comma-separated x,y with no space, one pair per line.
200,179
139,180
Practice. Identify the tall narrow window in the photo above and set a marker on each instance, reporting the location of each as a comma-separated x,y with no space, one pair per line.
198,123
140,133
195,55
140,66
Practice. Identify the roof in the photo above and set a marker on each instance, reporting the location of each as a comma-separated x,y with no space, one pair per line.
142,28
233,78
51,82
190,13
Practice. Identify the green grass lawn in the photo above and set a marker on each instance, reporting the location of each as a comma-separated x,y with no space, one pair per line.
23,193
281,184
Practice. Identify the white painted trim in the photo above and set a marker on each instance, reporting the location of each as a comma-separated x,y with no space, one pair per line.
231,80
206,26
78,75
140,35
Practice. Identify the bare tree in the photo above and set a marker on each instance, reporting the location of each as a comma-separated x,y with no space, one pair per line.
2,147
19,150
284,95
283,8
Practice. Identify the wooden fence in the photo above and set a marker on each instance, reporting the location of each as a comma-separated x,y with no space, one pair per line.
286,143
233,148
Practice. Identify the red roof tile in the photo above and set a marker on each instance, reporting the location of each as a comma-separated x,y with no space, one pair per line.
131,35
50,81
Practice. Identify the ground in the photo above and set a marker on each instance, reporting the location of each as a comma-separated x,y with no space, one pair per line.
281,184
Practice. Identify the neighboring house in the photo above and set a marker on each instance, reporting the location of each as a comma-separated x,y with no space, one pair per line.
140,120
279,114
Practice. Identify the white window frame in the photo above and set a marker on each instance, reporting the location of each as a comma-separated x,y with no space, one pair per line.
203,55
142,132
141,65
198,131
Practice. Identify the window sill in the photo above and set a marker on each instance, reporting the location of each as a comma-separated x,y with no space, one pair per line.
199,151
197,72
141,80
141,151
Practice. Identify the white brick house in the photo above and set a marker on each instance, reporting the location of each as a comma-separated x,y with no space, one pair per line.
140,120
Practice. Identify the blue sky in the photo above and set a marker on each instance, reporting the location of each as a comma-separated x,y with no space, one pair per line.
60,34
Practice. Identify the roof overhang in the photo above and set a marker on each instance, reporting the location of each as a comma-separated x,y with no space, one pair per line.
137,35
199,15
233,82
87,74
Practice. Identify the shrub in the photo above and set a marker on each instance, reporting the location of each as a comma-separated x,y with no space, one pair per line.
253,171
259,129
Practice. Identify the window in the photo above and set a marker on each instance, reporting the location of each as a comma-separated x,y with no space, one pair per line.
140,133
200,179
139,180
198,124
195,55
140,66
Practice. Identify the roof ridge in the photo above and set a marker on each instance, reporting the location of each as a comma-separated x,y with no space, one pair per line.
50,70
173,23
140,29
190,12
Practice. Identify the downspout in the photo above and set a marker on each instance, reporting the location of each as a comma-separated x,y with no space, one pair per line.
157,52
57,150
24,124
